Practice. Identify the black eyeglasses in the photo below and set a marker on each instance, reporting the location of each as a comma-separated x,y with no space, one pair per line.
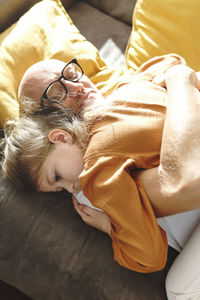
56,92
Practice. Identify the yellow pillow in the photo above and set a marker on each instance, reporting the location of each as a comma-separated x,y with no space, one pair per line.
45,31
164,26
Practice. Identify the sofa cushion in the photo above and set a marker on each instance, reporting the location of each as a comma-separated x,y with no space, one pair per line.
108,34
45,31
121,10
161,27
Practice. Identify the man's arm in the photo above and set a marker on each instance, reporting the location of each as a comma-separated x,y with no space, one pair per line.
174,186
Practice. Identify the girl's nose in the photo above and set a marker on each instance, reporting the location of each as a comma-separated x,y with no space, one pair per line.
69,187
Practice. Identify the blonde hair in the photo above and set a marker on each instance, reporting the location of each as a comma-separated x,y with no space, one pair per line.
26,143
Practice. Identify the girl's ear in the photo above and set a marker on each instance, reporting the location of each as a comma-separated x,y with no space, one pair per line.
60,136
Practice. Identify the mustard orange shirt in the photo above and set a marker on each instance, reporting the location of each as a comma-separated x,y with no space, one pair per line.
124,142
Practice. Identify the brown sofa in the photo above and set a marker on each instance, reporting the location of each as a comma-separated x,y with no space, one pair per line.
46,251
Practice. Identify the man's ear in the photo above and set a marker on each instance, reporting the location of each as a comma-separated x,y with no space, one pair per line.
60,136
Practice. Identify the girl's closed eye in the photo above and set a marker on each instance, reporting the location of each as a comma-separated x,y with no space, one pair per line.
57,177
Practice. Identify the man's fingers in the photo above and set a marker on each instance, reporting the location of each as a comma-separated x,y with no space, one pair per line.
160,80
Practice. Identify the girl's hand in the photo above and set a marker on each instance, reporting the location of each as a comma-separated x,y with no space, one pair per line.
93,217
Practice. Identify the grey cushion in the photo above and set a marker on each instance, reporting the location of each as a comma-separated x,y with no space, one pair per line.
121,10
47,252
108,34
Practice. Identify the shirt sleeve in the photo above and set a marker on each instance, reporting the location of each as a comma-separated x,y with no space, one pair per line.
113,185
159,65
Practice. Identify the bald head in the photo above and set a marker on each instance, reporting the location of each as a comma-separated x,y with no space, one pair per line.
78,93
38,77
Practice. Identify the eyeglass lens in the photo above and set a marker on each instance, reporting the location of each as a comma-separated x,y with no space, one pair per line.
72,72
57,91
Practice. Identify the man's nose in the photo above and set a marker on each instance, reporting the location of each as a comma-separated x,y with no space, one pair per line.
73,87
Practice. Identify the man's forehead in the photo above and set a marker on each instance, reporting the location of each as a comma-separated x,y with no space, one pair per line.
51,65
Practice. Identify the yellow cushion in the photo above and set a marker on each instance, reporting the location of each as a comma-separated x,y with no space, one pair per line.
164,26
45,31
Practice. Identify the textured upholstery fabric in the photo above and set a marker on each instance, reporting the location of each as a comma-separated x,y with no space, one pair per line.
121,10
47,252
108,34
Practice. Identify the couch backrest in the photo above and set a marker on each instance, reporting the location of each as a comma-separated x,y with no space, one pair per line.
12,10
120,9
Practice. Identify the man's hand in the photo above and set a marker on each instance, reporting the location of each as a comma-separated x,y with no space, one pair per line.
93,217
174,186
175,73
182,74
